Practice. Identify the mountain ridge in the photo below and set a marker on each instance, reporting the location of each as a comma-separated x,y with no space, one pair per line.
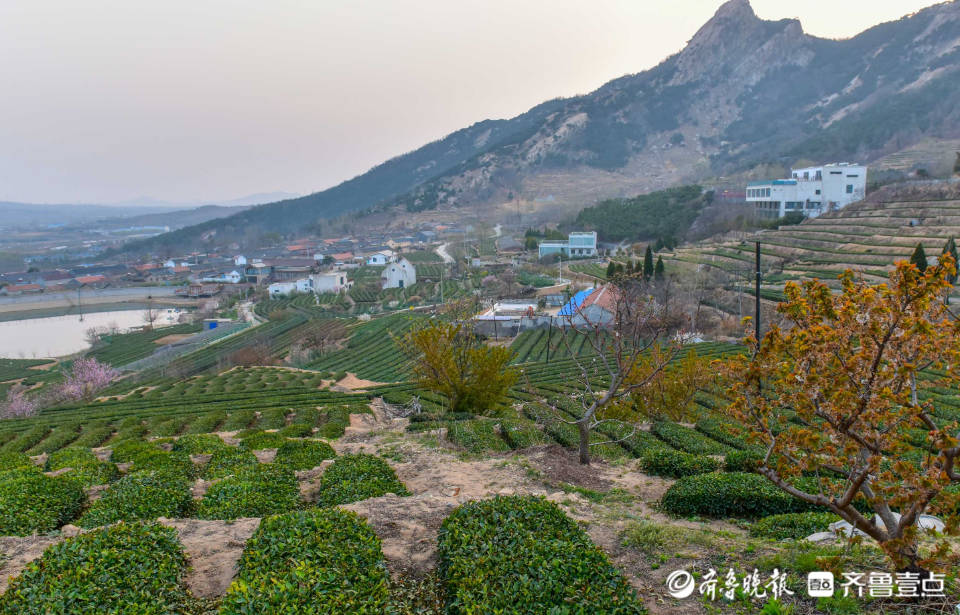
744,91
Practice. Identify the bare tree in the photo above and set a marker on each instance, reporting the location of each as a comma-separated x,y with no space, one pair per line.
620,329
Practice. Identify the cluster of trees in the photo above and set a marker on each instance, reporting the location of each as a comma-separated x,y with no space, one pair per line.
648,269
82,381
664,215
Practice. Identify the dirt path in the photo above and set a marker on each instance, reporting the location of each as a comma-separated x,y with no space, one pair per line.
18,552
213,548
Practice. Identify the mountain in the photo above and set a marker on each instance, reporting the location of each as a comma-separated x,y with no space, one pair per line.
743,92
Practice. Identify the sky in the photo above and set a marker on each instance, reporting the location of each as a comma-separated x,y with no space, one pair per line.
106,101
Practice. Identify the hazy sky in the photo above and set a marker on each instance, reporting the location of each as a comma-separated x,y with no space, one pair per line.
183,100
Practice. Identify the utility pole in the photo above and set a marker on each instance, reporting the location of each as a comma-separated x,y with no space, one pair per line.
759,275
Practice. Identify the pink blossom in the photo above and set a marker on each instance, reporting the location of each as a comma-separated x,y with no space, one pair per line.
85,378
17,405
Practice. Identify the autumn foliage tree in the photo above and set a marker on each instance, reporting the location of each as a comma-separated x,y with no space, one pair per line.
839,395
448,358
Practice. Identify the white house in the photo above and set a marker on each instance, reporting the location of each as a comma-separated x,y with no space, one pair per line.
281,289
400,274
578,245
330,282
240,260
304,285
234,277
382,258
810,191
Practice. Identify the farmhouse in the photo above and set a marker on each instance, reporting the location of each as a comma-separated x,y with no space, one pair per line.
577,245
810,191
400,274
281,289
382,257
594,307
330,282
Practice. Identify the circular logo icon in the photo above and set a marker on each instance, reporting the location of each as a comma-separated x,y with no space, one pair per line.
680,584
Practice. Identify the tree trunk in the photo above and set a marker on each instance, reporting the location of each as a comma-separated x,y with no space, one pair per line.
909,555
584,429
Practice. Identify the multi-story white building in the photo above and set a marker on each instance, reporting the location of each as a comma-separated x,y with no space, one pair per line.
577,245
810,191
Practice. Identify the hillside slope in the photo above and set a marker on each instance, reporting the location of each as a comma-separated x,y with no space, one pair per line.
743,91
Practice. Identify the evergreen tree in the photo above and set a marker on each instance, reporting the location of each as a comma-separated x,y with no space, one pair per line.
658,270
611,269
919,258
648,263
951,249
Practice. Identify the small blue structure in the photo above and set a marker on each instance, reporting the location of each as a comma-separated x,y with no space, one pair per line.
572,306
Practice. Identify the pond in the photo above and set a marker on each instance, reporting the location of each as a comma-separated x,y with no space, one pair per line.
59,336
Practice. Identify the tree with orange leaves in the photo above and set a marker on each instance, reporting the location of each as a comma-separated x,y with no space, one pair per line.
839,394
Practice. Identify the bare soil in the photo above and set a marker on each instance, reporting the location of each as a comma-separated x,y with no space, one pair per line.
172,338
213,549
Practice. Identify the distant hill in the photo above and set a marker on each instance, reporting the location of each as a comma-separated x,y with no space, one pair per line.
743,92
30,215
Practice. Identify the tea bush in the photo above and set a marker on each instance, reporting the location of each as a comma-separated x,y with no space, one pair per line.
303,454
352,478
297,430
32,502
522,434
165,461
253,491
261,440
125,451
476,436
742,461
13,461
688,440
676,464
141,495
227,461
88,470
199,444
311,563
733,494
792,525
126,568
542,563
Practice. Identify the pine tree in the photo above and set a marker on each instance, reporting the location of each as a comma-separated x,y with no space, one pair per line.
648,263
919,258
658,270
611,269
951,249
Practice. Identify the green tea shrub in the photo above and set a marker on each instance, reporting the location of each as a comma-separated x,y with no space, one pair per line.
722,432
311,563
141,496
792,525
166,461
676,464
296,430
742,461
733,494
688,440
126,568
239,420
261,440
127,450
27,439
542,562
476,436
32,502
252,491
94,435
199,444
12,461
227,461
208,422
352,478
303,454
274,418
88,470
521,434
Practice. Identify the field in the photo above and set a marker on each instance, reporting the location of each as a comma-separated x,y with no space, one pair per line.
126,348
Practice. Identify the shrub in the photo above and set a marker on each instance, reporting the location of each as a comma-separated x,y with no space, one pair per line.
297,430
676,464
261,440
27,439
31,502
320,561
352,478
688,440
543,562
742,461
721,432
303,454
239,420
253,491
205,423
94,435
733,494
126,568
202,444
141,495
87,469
792,525
126,450
476,436
521,434
13,461
165,461
331,430
274,418
228,460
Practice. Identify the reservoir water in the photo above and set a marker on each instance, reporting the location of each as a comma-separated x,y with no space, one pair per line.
63,335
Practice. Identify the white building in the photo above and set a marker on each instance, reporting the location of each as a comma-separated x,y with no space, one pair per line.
578,245
810,191
401,274
233,277
240,260
304,285
382,258
281,289
330,282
